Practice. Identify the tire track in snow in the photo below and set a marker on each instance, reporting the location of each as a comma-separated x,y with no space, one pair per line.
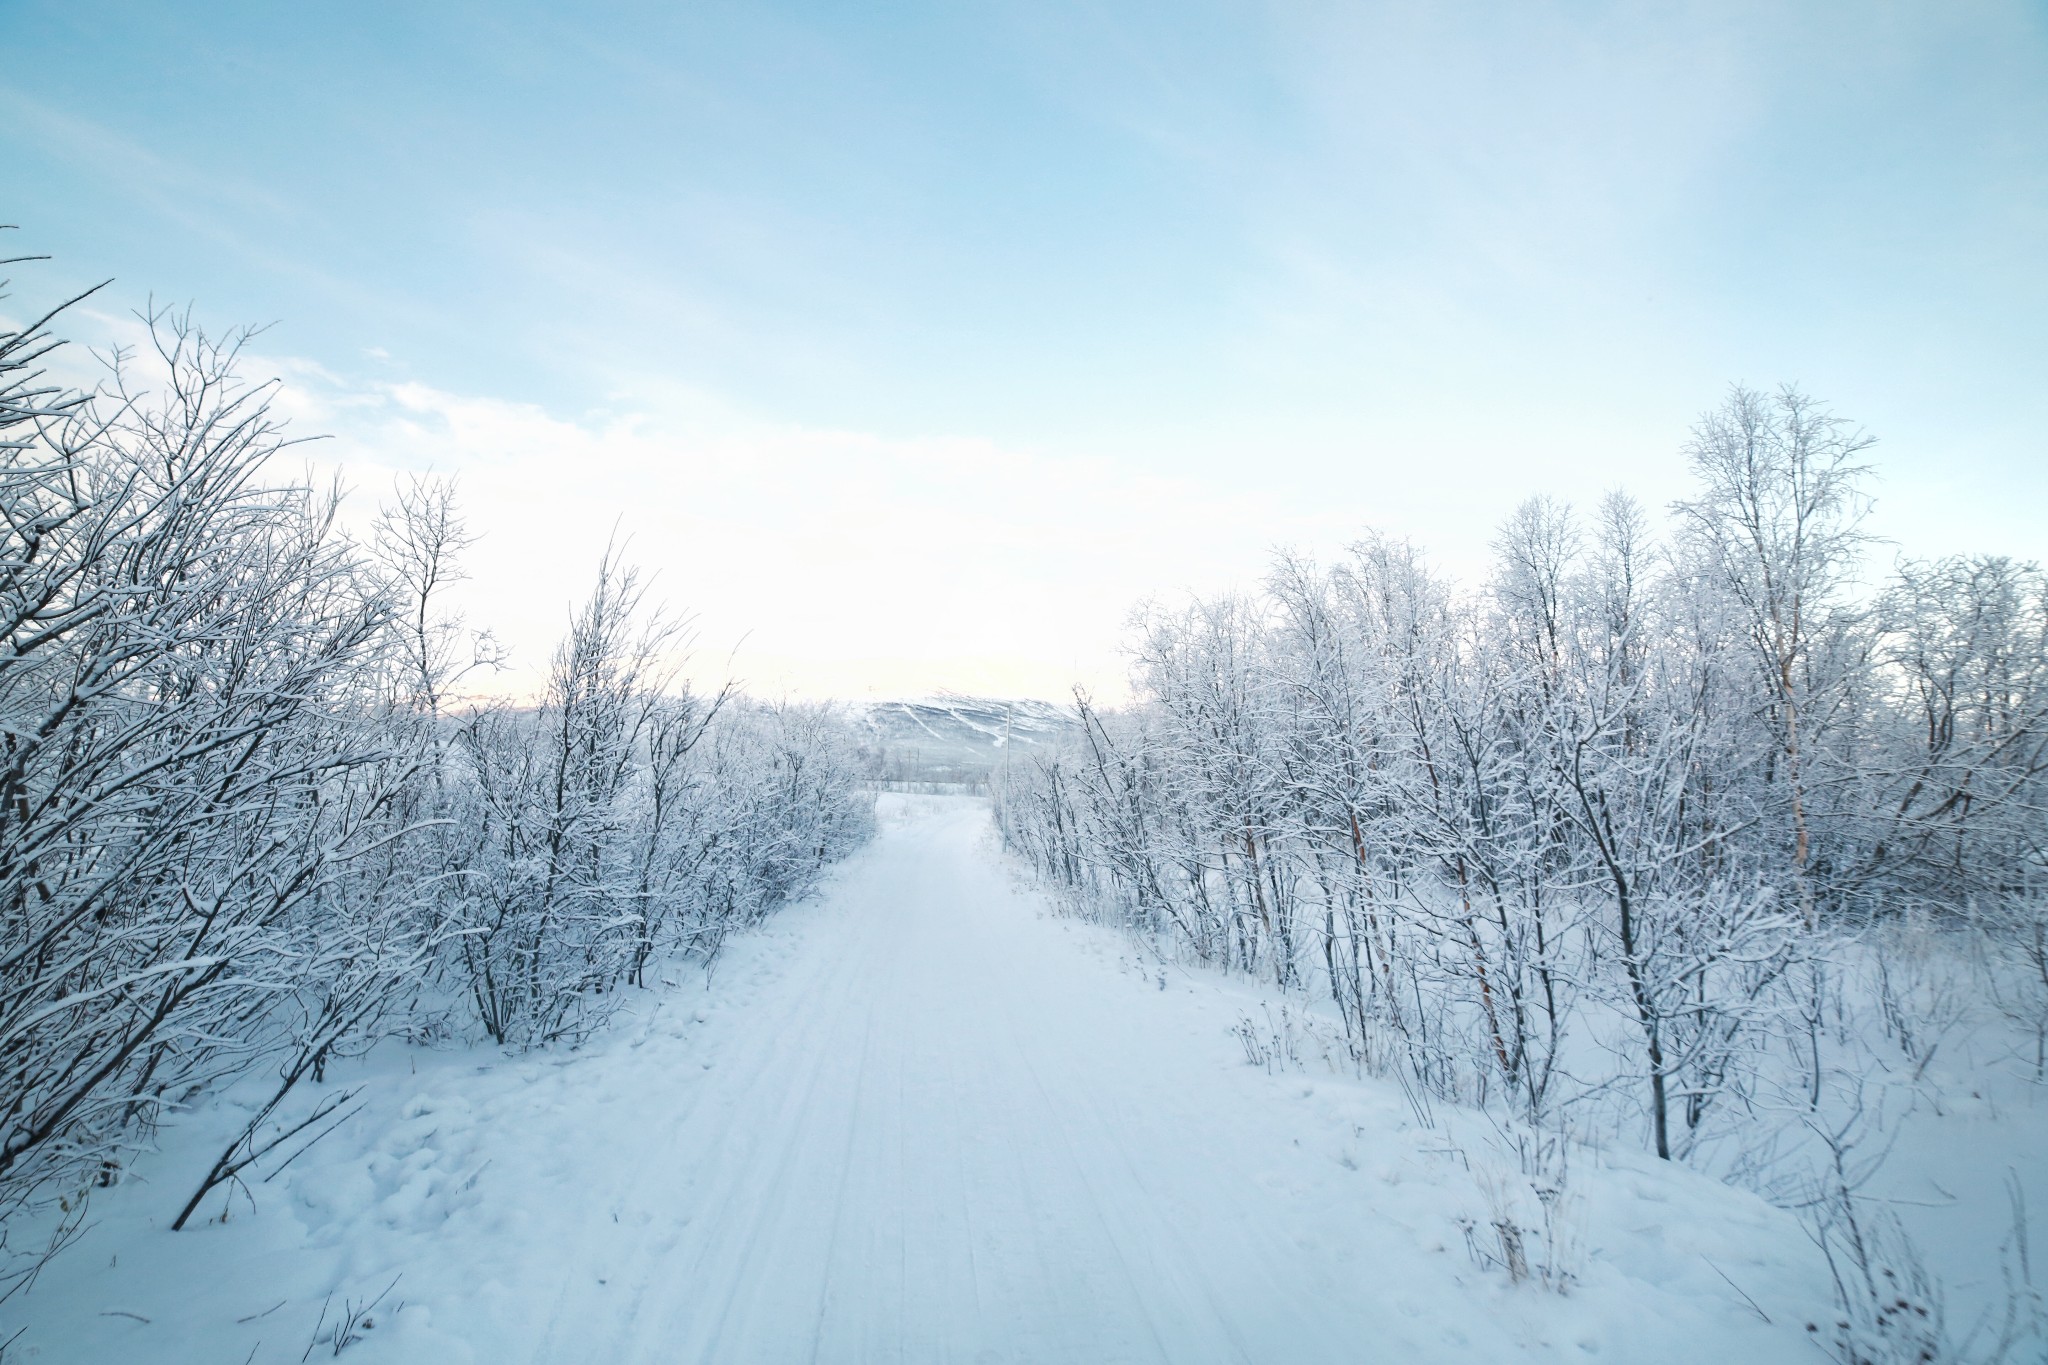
582,1315
941,1129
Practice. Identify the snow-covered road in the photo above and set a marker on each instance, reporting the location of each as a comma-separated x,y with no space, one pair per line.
934,1143
954,1130
921,1120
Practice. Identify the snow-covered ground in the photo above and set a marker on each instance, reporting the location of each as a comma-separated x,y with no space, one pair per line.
919,1119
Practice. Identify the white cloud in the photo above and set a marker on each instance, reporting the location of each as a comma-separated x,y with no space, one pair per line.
836,563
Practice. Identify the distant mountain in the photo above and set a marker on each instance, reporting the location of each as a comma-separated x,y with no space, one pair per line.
953,738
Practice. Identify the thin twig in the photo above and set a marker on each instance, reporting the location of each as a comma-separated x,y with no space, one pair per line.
1738,1289
316,1330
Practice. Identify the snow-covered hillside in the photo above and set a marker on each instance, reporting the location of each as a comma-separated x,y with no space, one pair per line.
948,737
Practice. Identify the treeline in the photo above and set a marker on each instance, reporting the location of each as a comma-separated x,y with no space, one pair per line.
1599,834
248,821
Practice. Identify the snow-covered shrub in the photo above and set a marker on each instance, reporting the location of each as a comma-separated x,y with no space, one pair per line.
1610,833
183,767
627,817
245,827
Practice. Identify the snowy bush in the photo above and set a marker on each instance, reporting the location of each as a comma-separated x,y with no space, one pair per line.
244,827
1612,833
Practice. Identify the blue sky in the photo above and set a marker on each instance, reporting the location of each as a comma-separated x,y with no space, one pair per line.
915,341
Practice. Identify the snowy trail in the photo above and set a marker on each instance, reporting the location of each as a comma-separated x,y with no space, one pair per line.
930,1146
918,1120
949,1129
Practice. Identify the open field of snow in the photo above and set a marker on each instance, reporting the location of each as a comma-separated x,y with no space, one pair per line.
918,1119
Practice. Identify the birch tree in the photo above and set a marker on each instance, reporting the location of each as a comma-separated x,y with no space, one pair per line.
1777,525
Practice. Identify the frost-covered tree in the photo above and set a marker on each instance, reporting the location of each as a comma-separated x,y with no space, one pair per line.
249,824
180,631
1776,527
1625,799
